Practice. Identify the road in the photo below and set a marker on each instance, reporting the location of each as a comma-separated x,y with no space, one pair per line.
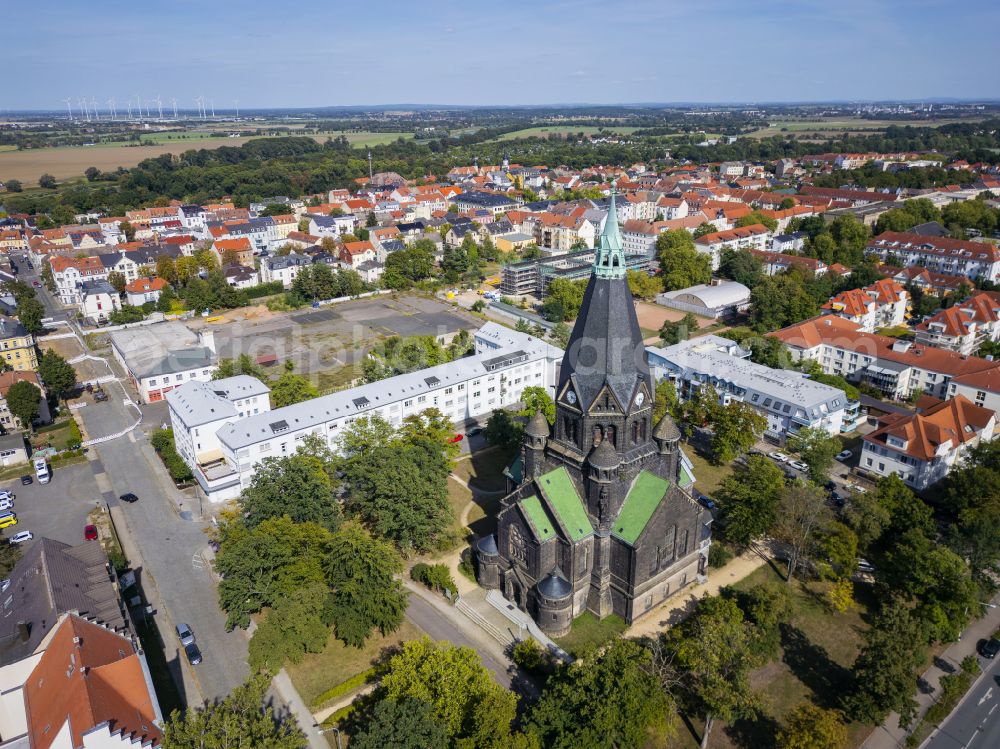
975,723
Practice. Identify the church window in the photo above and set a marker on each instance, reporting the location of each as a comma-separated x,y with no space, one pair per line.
635,432
684,543
598,436
670,541
583,560
654,563
611,435
516,544
642,430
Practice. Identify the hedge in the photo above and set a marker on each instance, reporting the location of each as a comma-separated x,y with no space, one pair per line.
355,682
265,289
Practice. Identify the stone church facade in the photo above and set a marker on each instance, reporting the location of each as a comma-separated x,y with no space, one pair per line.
599,516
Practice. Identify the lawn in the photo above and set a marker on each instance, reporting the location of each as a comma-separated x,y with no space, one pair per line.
543,131
484,469
590,632
818,647
707,475
338,662
329,380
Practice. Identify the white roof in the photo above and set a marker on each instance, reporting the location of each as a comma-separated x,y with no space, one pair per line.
720,295
199,403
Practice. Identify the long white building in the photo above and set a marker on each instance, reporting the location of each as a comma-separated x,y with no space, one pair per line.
504,363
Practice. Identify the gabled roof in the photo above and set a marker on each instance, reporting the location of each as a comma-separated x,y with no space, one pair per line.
563,499
955,421
647,491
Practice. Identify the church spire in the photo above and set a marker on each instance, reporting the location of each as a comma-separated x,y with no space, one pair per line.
609,262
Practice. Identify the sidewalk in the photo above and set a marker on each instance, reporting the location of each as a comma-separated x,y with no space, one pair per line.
889,735
282,684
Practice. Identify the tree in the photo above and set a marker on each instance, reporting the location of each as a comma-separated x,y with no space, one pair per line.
13,185
741,266
503,431
243,364
560,334
756,217
681,330
47,181
361,571
407,724
609,700
30,312
263,565
24,402
811,727
885,669
430,424
405,267
563,299
370,432
749,500
778,301
295,485
802,513
292,628
536,398
117,280
239,720
291,388
817,449
681,265
462,694
703,229
57,374
665,401
714,654
735,428
643,285
128,230
701,407
9,556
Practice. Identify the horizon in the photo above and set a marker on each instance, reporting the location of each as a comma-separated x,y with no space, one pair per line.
659,53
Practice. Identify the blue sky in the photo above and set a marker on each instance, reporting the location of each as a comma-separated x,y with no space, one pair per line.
307,53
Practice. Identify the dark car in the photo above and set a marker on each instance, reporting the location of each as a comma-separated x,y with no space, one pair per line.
100,396
475,431
193,653
990,648
706,500
128,497
26,479
90,532
36,284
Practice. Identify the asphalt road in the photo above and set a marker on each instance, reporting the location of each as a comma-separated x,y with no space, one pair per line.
975,723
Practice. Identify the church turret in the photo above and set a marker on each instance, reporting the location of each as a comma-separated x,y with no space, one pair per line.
667,437
536,434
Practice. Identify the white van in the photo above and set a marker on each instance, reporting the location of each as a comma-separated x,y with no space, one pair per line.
42,471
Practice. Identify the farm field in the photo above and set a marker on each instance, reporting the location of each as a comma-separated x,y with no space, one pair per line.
546,130
827,127
68,162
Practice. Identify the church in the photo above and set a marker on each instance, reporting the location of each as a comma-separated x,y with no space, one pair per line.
599,516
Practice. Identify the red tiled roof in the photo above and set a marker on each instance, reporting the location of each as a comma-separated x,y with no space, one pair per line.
144,285
956,420
893,241
740,232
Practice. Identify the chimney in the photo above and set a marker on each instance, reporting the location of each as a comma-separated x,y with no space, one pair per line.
207,338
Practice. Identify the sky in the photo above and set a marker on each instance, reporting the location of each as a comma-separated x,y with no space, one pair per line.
371,52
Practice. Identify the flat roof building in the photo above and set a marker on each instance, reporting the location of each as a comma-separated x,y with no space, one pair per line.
718,299
160,357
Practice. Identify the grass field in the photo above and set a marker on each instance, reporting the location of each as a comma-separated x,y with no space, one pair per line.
547,130
840,126
68,162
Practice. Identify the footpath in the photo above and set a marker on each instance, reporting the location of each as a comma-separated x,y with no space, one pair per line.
889,735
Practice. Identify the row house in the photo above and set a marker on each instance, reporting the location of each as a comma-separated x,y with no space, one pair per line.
884,304
938,284
111,229
897,368
192,216
753,237
671,208
922,448
784,216
956,257
965,326
778,262
12,240
855,198
639,237
561,233
228,251
330,226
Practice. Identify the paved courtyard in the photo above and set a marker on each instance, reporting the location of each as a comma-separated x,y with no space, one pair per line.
58,509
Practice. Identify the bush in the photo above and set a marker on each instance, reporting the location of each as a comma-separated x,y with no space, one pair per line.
163,442
531,656
355,682
265,289
435,577
75,439
719,555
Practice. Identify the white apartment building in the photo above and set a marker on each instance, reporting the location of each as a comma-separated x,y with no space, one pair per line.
197,411
163,356
884,304
753,237
788,399
282,268
964,326
504,363
957,257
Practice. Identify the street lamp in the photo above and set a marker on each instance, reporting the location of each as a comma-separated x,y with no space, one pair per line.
321,731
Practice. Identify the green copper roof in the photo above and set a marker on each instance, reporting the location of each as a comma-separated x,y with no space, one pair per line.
515,470
686,471
642,500
609,261
532,507
560,494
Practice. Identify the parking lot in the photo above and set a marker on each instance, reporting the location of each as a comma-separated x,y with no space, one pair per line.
58,509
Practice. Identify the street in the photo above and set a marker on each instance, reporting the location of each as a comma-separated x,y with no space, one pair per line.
975,722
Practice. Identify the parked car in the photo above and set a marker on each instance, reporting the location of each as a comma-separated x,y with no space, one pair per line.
844,454
128,497
184,634
90,532
6,504
26,479
457,438
7,494
22,537
475,431
865,566
799,465
778,457
193,653
990,648
42,470
705,500
36,284
7,519
100,396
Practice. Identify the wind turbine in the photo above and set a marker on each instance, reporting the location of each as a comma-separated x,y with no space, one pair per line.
69,106
130,107
237,104
82,104
211,103
138,101
201,111
159,105
93,104
111,106
174,101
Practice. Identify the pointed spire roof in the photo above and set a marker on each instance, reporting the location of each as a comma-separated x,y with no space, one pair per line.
609,261
538,426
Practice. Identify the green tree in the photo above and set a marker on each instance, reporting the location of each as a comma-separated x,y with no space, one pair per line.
24,402
808,726
778,301
295,485
9,556
463,696
643,286
370,432
361,571
560,334
30,312
702,405
741,266
885,669
802,514
612,699
818,449
735,428
262,565
243,364
851,236
117,280
536,398
665,400
749,500
405,267
756,217
681,265
703,229
239,720
13,185
681,330
715,656
407,724
432,425
47,181
291,629
291,388
57,374
563,299
503,431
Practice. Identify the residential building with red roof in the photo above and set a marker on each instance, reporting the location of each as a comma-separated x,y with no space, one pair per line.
753,237
923,447
238,250
957,257
854,198
938,284
779,262
896,367
884,304
964,326
143,290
